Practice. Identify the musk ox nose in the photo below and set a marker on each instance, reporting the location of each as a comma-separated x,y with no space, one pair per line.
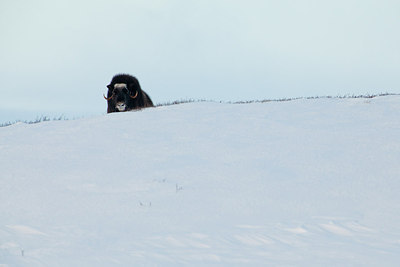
121,106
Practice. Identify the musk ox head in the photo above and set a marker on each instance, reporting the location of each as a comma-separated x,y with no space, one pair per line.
124,94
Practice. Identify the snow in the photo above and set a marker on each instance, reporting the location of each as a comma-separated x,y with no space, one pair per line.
304,183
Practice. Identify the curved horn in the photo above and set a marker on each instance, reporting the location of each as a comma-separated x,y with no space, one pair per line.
134,95
107,98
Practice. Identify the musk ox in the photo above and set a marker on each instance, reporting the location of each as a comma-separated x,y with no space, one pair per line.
124,94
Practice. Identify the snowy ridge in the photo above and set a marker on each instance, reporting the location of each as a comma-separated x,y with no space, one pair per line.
304,183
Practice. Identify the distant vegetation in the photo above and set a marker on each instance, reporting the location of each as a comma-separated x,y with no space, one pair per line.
176,102
184,101
312,97
37,120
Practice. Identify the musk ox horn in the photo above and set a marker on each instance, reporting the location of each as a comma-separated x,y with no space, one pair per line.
107,98
134,95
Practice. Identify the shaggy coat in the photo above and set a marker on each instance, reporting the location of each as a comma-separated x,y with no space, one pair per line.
124,94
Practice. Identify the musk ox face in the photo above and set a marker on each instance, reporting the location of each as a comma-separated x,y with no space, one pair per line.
120,96
124,94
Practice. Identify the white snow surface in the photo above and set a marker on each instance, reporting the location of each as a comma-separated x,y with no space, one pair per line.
297,183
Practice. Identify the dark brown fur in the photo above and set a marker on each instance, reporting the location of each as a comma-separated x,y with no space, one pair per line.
124,95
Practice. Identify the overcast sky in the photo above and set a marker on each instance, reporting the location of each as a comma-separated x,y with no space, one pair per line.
56,57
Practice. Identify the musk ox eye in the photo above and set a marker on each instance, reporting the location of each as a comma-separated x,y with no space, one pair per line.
125,90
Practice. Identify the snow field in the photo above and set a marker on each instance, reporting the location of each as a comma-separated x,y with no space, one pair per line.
304,183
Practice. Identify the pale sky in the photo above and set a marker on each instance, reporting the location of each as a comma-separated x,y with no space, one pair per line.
56,57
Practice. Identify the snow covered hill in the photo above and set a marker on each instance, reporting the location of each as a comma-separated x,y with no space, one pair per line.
299,183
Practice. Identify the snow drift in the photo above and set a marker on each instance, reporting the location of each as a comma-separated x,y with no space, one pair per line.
305,183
